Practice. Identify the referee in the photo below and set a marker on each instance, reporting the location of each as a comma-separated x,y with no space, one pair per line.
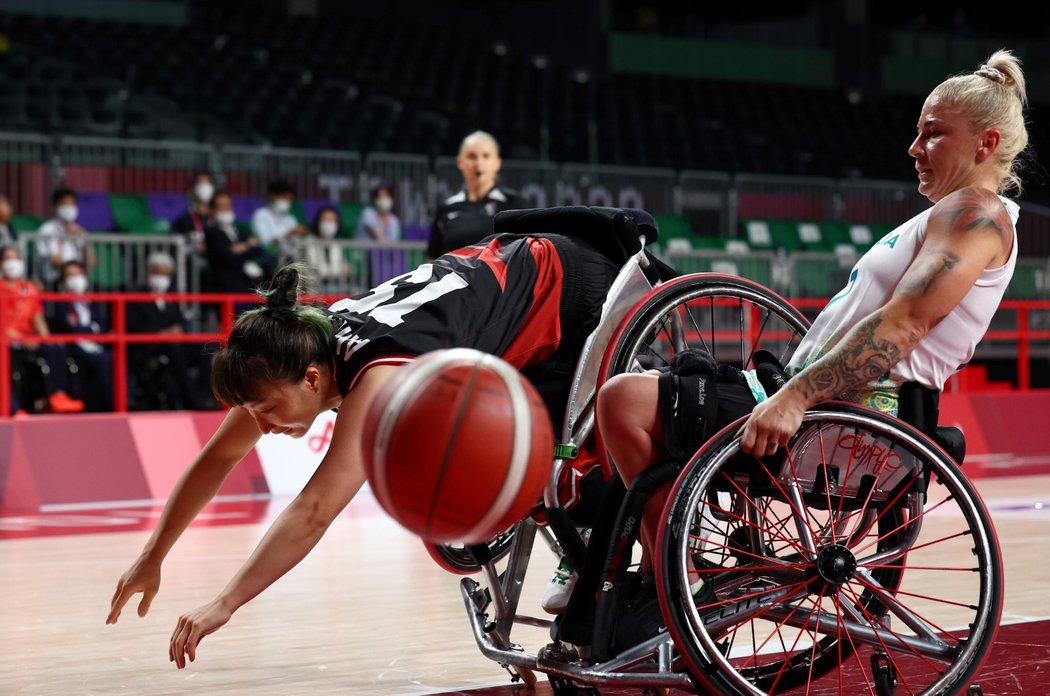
466,217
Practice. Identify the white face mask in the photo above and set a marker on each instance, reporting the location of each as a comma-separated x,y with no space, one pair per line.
77,284
384,204
158,282
14,268
67,212
282,205
203,191
225,217
328,228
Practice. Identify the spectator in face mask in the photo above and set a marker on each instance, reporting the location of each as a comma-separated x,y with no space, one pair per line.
23,322
274,223
193,221
378,222
163,376
93,380
62,239
233,256
326,256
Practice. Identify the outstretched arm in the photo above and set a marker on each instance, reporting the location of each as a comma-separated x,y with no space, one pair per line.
298,529
968,231
195,488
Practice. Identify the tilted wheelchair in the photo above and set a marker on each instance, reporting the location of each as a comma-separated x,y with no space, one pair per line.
858,559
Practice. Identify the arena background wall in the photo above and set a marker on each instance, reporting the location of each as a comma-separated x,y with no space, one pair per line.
51,463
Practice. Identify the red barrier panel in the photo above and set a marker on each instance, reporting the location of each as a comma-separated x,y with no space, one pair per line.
49,462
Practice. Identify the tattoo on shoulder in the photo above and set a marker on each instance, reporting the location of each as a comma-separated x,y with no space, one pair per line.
976,209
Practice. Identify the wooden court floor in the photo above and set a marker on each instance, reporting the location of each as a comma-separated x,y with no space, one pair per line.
367,612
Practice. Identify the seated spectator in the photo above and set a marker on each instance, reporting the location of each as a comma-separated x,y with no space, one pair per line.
378,222
326,256
234,256
62,239
39,368
274,223
7,234
93,361
162,376
192,222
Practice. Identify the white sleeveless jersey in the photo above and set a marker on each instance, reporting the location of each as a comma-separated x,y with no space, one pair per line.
948,346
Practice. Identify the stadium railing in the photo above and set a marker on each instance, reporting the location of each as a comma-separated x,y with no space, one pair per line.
1021,329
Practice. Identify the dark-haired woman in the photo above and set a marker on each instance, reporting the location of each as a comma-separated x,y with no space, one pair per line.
531,299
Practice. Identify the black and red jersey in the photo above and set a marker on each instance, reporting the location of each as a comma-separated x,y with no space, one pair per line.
502,297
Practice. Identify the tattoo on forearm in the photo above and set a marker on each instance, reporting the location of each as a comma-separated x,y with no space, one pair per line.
861,356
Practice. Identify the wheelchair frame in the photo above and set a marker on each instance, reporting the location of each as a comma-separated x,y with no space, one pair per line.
655,663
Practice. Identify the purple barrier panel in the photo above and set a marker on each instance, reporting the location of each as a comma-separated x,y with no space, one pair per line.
311,206
245,206
94,215
416,233
166,206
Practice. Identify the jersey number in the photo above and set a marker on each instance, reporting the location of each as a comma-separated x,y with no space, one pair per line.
394,313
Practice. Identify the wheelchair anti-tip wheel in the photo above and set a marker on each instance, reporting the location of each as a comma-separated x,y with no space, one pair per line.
860,546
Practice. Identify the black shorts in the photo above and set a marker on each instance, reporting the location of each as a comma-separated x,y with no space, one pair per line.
683,434
587,275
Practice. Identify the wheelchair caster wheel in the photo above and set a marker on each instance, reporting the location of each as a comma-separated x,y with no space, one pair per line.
885,676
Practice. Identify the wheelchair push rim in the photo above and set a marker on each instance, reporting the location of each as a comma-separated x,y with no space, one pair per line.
862,547
728,316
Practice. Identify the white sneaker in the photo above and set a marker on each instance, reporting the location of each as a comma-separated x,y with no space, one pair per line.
561,584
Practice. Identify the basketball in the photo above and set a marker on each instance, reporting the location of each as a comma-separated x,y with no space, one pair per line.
458,446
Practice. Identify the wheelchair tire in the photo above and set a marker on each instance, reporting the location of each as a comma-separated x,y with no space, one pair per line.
459,560
702,310
862,537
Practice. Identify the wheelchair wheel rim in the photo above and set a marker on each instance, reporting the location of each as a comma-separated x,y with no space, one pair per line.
778,581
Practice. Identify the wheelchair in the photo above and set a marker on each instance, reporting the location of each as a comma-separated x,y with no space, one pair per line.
857,559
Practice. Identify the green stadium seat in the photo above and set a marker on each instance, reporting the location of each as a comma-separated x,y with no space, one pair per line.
758,235
26,223
1027,281
834,235
674,232
349,214
131,213
298,213
786,235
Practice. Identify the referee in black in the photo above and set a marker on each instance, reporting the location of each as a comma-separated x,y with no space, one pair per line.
466,217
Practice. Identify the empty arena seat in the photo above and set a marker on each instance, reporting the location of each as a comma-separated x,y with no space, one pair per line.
349,214
26,223
131,213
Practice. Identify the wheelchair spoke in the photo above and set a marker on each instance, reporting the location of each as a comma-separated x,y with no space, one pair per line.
696,326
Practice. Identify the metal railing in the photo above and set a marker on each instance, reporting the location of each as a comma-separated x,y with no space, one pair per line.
32,165
1022,326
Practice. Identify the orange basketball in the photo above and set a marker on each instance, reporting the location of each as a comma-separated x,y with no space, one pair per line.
458,446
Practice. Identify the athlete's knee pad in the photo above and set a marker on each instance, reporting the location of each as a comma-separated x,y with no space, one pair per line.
688,397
